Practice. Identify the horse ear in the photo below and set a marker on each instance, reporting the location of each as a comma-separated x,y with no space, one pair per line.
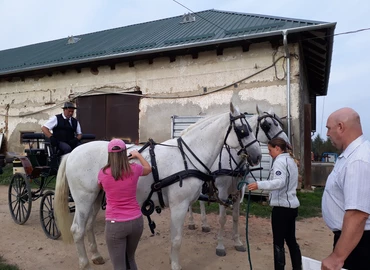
258,110
234,109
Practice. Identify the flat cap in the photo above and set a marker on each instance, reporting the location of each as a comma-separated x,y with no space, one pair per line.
69,105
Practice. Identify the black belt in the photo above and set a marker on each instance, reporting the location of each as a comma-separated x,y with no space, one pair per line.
337,233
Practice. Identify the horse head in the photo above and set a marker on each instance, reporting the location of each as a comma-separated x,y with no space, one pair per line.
240,135
269,126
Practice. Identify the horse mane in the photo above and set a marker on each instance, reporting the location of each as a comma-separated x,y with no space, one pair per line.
201,122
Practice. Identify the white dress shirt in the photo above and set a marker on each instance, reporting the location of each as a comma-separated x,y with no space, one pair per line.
348,185
53,121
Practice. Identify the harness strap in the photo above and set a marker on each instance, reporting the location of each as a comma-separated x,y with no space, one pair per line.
227,172
148,206
181,142
179,176
155,171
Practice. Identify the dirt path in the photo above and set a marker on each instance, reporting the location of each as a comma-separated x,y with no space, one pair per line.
28,247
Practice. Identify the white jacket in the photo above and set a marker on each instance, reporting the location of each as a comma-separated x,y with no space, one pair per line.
282,181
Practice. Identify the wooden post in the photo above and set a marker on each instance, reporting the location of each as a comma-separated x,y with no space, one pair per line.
307,146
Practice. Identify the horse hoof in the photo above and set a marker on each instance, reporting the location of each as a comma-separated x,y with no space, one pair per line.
191,227
206,229
240,248
220,252
98,260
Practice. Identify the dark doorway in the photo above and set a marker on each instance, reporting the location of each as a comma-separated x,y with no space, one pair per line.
109,116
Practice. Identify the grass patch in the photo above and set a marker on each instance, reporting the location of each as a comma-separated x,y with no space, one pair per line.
310,203
6,266
7,175
258,206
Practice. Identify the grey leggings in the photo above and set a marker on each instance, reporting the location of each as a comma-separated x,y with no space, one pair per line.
122,239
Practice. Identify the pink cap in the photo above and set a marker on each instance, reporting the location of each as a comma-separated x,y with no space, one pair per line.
116,145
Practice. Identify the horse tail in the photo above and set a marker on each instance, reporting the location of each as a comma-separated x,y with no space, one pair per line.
63,217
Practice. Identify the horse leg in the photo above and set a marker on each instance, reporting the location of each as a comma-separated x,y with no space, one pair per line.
91,239
236,237
178,213
220,249
205,226
78,232
191,225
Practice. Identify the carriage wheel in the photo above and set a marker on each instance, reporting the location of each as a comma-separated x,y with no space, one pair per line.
47,219
20,198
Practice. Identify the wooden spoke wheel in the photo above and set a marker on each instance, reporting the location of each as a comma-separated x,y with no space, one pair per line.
20,198
47,218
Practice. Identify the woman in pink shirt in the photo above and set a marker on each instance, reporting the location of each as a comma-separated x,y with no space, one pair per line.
124,221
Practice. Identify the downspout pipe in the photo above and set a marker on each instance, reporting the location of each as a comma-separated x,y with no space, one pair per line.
287,57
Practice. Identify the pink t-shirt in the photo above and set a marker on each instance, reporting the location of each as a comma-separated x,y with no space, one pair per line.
121,194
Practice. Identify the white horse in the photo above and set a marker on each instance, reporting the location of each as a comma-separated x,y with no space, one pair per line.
196,150
265,126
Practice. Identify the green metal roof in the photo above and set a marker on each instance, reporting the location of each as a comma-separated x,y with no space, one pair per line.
170,34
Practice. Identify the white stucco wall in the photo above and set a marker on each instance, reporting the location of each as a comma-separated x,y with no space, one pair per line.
159,82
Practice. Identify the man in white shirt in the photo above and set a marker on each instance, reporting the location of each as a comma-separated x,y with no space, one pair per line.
63,130
346,199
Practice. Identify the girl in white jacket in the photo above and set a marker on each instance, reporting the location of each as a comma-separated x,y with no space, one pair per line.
282,182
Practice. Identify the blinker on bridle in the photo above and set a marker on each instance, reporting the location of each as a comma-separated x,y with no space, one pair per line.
266,126
241,132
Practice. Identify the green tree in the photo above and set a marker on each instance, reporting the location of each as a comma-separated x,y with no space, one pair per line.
319,146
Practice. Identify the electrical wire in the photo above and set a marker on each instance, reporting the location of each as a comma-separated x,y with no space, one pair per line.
100,89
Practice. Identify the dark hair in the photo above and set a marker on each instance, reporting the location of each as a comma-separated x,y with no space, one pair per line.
284,146
279,142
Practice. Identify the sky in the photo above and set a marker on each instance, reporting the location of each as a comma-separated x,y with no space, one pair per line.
24,22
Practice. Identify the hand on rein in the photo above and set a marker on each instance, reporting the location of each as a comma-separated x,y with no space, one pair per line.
253,186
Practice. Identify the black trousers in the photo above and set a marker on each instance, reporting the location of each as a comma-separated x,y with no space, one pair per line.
359,259
283,230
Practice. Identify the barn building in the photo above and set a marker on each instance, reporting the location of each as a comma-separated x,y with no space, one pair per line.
127,82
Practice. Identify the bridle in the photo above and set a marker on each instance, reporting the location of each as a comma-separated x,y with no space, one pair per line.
266,126
241,132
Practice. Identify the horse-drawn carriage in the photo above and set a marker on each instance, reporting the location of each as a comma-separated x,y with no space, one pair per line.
33,178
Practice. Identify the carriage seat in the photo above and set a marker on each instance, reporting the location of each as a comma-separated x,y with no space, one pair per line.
48,156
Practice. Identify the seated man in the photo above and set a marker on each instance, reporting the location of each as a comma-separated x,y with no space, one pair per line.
63,130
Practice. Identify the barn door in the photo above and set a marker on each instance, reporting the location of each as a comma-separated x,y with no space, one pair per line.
109,116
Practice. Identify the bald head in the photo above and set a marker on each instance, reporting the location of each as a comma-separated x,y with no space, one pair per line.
344,126
347,116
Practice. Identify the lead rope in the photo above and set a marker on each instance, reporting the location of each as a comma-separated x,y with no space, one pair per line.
240,186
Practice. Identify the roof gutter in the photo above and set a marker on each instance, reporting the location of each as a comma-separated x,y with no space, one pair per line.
173,48
287,56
